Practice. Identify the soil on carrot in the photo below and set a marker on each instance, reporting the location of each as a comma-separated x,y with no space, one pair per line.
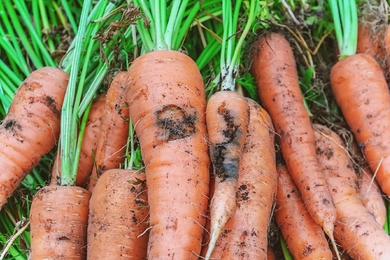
231,132
175,122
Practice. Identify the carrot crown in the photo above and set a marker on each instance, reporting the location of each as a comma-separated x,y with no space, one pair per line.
165,25
345,19
231,47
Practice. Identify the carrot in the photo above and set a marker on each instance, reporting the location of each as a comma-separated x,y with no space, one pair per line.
88,146
364,100
118,214
276,78
369,42
304,237
367,110
167,105
58,223
245,234
32,126
227,118
372,196
114,129
356,229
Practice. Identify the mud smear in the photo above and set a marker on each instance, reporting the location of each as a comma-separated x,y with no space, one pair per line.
175,123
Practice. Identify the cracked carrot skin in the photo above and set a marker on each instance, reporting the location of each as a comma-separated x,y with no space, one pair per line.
31,127
356,229
167,105
114,130
58,222
304,237
245,234
118,216
364,100
88,146
276,77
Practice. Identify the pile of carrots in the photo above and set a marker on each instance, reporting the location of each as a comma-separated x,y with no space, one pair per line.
217,169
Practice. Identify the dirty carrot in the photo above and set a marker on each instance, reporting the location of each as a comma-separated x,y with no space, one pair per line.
363,97
304,237
65,239
167,105
118,216
245,233
113,131
372,196
276,77
356,229
227,118
32,126
88,146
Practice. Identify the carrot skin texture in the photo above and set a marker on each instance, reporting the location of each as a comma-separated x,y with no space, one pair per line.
304,237
227,117
276,77
167,105
32,126
88,146
368,42
59,218
364,100
114,130
356,229
245,234
372,196
118,216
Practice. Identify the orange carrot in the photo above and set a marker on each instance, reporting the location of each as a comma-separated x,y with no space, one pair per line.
88,146
118,216
372,196
167,105
58,222
114,129
227,117
369,42
304,237
356,229
276,78
245,234
364,99
32,126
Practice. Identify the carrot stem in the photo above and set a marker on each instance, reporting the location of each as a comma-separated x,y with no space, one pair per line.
69,125
345,19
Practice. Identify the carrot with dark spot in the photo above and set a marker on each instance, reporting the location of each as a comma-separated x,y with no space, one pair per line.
245,234
227,118
168,113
